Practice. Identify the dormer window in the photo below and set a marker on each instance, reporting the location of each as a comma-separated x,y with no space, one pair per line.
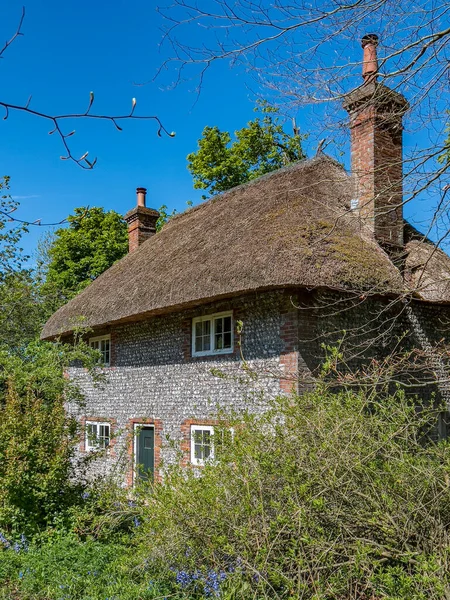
212,334
102,343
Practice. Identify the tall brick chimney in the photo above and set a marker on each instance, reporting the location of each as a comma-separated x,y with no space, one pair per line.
376,114
141,221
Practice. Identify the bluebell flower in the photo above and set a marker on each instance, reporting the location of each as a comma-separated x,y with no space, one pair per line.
183,578
23,542
20,574
212,584
17,547
136,522
85,495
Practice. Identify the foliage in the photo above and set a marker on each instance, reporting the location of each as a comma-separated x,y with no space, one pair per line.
65,567
325,496
444,157
10,232
261,147
165,216
22,311
37,436
94,240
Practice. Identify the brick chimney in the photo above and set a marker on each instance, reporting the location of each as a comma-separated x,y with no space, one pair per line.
141,221
376,114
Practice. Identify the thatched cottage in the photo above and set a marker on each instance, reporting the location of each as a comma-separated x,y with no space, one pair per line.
263,273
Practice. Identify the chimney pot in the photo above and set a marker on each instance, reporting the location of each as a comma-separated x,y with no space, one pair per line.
370,60
141,193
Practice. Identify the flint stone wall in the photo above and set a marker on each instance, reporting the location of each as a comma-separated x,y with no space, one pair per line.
153,376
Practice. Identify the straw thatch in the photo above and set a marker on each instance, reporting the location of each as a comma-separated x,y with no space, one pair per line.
291,228
427,267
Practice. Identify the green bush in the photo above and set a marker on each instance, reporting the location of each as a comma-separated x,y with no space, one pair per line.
323,497
39,479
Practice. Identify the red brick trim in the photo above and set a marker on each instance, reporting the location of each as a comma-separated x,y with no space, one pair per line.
289,354
185,445
158,426
110,451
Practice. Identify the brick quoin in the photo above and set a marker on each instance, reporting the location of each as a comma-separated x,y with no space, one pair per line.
289,355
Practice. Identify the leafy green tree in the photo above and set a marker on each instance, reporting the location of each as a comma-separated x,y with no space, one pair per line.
221,163
39,478
93,241
11,232
22,311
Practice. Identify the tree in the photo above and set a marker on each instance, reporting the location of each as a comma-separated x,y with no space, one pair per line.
92,242
39,475
307,53
22,309
261,147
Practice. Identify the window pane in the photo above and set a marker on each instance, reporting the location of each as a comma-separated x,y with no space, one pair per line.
207,327
218,325
227,340
207,343
198,344
218,344
198,452
227,324
206,452
198,329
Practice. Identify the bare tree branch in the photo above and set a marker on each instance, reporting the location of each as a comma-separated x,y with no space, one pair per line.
57,120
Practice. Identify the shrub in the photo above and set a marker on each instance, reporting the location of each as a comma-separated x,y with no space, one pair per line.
39,478
323,497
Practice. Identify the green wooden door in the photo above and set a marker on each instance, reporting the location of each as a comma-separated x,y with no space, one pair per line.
145,453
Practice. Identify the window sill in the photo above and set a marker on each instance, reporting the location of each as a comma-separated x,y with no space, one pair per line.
213,353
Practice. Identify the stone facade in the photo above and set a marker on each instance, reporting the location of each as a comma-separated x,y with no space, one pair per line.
153,378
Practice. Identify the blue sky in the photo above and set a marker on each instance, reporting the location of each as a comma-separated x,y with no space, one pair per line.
70,48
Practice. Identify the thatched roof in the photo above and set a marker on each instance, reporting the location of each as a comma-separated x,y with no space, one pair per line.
427,267
291,228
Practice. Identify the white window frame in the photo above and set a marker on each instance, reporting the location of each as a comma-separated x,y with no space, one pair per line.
200,462
101,338
211,318
93,447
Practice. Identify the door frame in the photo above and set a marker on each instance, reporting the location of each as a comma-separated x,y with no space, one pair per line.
136,426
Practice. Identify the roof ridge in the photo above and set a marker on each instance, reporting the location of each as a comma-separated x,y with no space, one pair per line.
296,165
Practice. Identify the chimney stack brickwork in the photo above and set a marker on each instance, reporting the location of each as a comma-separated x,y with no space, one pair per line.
141,221
376,114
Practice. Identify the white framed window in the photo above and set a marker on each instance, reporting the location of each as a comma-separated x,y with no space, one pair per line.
212,334
202,444
98,435
102,343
